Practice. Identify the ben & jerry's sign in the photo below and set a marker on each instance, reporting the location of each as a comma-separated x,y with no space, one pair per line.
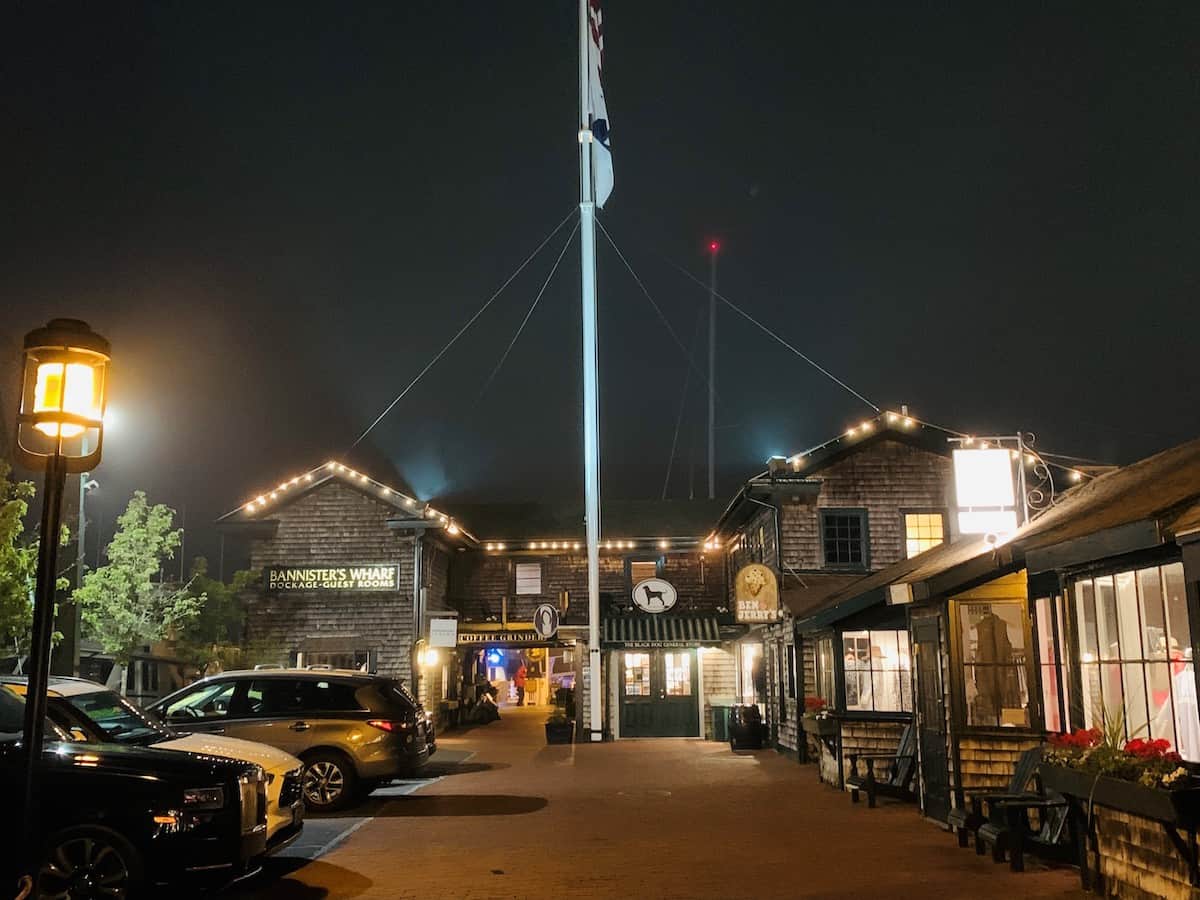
332,578
756,593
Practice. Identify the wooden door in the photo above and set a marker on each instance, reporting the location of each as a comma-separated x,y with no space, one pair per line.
659,693
931,718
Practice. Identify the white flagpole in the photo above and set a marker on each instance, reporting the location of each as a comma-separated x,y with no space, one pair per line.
591,411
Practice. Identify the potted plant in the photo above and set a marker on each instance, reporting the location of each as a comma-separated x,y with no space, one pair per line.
817,718
560,729
1138,776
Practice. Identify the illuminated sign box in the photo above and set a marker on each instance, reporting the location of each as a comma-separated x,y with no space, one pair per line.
983,484
281,579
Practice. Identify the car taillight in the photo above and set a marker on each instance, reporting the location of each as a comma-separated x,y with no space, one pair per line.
390,725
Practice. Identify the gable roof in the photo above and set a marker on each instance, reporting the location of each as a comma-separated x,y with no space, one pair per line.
262,506
1164,487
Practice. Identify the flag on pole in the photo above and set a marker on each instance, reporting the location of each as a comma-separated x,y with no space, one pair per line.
602,166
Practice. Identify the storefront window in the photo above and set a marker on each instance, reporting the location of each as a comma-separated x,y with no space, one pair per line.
752,677
878,671
637,674
995,664
1048,613
824,673
678,668
1136,655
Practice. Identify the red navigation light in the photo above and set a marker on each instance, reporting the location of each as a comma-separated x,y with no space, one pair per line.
714,246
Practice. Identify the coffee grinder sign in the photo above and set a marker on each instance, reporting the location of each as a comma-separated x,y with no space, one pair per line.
654,595
756,594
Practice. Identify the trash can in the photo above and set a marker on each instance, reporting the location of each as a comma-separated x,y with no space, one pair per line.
745,728
720,723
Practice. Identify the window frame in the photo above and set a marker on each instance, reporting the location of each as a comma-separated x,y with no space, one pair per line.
905,512
839,661
659,563
862,515
958,673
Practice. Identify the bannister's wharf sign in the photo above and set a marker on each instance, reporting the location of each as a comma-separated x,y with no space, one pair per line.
332,578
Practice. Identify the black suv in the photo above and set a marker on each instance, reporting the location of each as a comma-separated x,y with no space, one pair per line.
111,819
352,730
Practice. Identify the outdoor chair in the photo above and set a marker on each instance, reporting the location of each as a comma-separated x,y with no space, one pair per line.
900,772
1009,828
965,821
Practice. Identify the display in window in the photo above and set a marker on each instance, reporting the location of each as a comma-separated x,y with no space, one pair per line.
637,674
878,671
995,665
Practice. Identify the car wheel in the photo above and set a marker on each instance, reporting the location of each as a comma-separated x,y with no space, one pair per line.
85,863
329,782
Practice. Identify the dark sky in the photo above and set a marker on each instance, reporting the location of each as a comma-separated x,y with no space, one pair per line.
279,213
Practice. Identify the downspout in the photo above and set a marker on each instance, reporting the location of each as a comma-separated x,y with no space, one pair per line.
417,637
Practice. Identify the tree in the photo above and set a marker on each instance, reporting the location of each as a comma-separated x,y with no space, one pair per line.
213,641
122,604
18,566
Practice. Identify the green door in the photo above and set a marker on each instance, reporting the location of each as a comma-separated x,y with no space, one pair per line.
659,691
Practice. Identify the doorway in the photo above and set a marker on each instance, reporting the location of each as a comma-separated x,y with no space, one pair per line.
931,718
659,691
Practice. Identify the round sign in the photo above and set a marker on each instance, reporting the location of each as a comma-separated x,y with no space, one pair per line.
545,621
654,595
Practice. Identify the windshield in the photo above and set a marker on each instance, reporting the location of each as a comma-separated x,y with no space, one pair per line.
12,719
119,719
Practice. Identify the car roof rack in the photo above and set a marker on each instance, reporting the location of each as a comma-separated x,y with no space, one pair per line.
261,667
320,667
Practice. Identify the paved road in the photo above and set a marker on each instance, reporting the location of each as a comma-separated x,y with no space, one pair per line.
508,817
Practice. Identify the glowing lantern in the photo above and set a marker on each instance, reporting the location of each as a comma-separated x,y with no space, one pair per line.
63,396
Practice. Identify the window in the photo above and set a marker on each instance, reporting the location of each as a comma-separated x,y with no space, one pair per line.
529,578
923,531
641,569
678,670
1135,651
995,663
844,537
275,696
824,671
1048,617
208,702
753,678
637,675
791,670
878,671
121,720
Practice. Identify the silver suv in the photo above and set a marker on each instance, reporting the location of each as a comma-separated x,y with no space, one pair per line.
351,730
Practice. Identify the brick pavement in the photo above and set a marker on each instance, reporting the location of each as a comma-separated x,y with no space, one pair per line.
645,819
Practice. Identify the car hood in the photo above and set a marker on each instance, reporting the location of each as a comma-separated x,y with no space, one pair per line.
141,760
272,759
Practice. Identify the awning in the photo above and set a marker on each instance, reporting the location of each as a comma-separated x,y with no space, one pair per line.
649,631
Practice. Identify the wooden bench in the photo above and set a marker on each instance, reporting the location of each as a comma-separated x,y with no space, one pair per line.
965,820
900,775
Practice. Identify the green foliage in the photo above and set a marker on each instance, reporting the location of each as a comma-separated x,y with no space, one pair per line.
122,605
213,640
18,565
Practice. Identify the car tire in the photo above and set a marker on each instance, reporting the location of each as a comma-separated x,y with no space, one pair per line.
90,852
329,782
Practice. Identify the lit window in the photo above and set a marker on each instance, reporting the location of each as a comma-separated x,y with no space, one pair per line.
995,663
640,570
637,675
678,670
878,671
529,578
1135,650
923,531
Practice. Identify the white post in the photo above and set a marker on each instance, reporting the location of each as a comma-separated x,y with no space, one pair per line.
591,404
712,373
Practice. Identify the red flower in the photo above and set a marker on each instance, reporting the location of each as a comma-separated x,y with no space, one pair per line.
814,704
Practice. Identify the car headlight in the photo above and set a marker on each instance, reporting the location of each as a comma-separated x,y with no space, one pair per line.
204,798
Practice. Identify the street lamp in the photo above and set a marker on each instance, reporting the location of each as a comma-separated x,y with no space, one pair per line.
60,427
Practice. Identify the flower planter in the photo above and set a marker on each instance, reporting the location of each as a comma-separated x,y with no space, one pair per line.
560,731
1178,807
826,727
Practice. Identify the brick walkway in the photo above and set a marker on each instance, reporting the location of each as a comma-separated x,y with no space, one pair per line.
644,819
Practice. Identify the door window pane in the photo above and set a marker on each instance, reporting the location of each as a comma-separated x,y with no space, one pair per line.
637,674
678,670
825,674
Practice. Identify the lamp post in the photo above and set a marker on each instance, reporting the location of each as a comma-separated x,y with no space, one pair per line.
60,428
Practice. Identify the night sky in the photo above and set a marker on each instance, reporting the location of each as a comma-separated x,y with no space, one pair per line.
278,214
